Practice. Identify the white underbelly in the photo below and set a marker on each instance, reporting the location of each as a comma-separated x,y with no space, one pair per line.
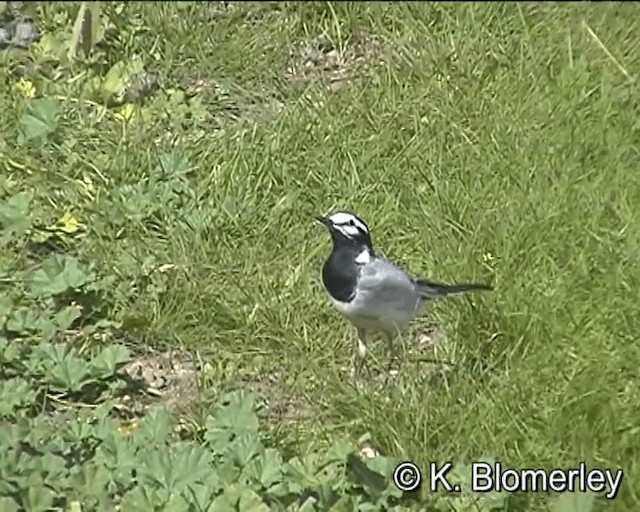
389,319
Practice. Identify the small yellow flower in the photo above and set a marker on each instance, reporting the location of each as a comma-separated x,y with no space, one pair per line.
68,223
126,113
26,88
487,257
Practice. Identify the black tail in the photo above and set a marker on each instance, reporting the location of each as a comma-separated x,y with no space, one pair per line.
430,290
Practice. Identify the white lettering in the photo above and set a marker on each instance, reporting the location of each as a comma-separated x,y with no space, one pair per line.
487,477
614,483
510,480
534,479
481,480
438,475
557,481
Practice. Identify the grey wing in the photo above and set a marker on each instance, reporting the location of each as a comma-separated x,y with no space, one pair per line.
387,290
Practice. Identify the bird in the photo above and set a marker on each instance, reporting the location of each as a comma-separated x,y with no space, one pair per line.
373,293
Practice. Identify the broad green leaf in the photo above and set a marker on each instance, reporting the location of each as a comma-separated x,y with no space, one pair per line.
327,494
176,468
118,79
56,353
245,448
8,504
52,46
86,29
15,218
367,506
309,505
349,503
35,363
39,120
12,462
9,352
15,393
305,471
77,431
270,467
373,481
82,20
38,498
233,417
228,471
384,466
46,328
57,274
224,503
494,500
45,357
23,320
6,306
93,480
155,428
66,316
109,360
173,164
140,499
26,321
115,81
176,503
53,468
339,451
250,502
119,454
200,495
69,374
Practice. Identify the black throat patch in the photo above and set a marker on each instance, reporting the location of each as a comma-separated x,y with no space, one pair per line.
340,273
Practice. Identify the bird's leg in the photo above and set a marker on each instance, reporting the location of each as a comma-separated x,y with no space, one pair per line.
389,337
360,354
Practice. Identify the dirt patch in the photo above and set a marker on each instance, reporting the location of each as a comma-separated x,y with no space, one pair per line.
429,340
322,61
279,406
159,379
169,379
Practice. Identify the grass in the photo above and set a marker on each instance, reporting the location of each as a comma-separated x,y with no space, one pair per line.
462,130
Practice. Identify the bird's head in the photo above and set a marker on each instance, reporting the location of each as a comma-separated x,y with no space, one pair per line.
347,228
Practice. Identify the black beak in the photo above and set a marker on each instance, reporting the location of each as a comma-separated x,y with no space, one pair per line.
322,220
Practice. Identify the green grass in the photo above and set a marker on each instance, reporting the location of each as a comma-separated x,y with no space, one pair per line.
496,128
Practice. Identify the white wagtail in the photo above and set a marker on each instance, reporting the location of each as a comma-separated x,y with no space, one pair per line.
374,294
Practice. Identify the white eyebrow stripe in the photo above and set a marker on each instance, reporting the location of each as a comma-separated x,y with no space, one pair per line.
349,231
342,219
